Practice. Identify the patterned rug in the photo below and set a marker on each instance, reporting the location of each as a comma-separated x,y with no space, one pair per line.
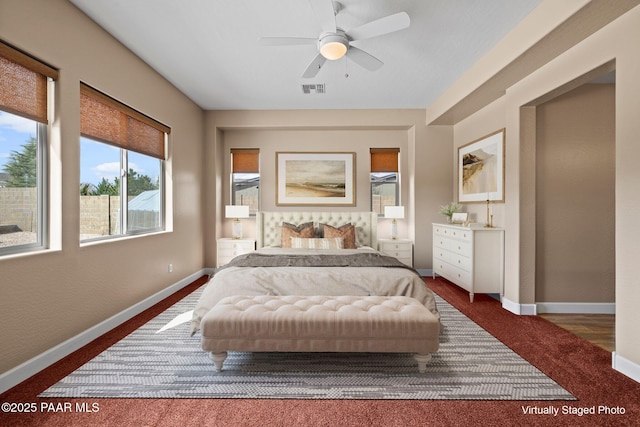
161,360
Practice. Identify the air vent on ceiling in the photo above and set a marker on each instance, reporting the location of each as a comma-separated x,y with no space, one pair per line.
313,88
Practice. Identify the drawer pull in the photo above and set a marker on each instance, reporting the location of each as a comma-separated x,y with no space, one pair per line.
459,248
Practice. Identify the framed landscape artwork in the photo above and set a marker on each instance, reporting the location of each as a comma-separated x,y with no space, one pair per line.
315,179
481,169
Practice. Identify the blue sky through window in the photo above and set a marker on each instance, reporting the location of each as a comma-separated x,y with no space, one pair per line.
15,131
97,160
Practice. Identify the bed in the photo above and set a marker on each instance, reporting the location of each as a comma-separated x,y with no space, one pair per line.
336,259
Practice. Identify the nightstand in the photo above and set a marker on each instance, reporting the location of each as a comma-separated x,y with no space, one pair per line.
229,248
397,248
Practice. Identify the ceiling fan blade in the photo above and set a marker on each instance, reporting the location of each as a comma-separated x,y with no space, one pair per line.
325,13
314,67
364,59
286,41
386,25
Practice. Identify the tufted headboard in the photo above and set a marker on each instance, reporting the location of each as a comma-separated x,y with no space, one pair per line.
268,225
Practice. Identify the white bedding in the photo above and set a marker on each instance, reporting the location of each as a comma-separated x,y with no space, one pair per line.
311,281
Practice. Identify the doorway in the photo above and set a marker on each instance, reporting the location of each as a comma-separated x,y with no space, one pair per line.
575,200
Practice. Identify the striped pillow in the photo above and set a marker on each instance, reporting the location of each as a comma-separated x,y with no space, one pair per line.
316,243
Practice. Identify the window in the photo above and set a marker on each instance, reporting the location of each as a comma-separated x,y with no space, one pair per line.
122,154
24,91
385,182
245,178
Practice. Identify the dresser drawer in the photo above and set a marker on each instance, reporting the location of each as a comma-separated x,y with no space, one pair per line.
455,259
452,245
227,249
406,253
389,246
457,275
452,232
237,248
400,249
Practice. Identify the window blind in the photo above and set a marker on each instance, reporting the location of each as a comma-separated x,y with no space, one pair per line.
23,86
384,159
108,120
245,160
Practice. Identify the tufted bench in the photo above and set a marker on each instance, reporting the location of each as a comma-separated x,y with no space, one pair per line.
386,324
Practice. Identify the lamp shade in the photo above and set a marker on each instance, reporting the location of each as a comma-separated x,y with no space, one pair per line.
333,45
395,212
236,211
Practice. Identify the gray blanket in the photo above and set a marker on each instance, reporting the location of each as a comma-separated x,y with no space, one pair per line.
368,259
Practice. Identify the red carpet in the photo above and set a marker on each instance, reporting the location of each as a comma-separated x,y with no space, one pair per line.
580,367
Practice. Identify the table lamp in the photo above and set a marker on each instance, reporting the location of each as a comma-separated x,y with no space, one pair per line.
395,213
236,212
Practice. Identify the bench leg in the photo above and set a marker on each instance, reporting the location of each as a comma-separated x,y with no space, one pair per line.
218,359
422,359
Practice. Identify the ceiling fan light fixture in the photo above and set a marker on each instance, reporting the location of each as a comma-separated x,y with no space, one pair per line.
333,46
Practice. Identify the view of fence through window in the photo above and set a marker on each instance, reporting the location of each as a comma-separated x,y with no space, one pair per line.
384,191
101,189
18,180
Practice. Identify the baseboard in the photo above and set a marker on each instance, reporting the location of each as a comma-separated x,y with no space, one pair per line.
517,308
25,370
625,366
577,307
425,272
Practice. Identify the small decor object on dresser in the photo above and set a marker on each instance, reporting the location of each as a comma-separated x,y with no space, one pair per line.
231,248
397,248
450,209
470,257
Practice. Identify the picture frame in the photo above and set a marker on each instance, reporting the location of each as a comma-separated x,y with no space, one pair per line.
481,169
459,217
315,179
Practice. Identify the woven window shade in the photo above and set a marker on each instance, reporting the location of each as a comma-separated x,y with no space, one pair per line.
23,86
107,120
245,160
384,159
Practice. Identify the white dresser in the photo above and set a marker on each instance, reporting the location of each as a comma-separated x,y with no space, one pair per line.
397,248
230,248
470,257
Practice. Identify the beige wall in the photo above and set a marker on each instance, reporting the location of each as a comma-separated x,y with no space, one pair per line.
575,196
424,183
535,82
484,122
615,42
49,297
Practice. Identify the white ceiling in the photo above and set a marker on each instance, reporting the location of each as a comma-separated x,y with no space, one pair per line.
209,48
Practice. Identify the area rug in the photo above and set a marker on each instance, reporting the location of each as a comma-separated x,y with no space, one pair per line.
162,360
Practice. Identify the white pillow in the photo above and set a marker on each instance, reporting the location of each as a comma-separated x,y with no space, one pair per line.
316,243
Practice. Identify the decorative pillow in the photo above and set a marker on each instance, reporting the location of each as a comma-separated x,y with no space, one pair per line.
305,231
316,243
320,229
347,232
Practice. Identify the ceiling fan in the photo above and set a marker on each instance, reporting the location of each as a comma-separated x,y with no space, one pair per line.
334,43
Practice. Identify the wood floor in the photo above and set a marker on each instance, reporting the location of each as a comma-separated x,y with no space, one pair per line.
596,328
